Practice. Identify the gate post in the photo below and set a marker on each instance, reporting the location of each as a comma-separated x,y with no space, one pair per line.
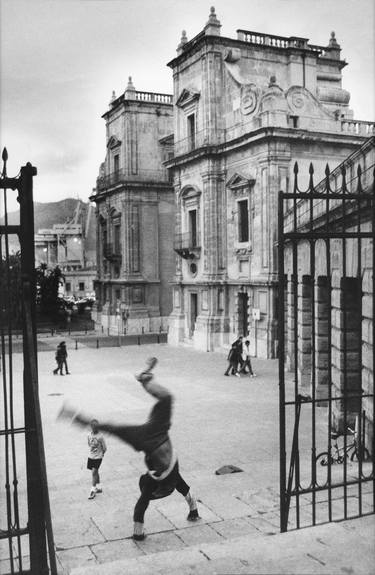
39,518
281,339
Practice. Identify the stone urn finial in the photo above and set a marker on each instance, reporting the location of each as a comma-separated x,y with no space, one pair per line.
113,97
213,25
183,40
332,40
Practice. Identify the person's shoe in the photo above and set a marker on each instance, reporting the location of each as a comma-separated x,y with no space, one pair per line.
193,515
226,374
237,374
140,537
98,490
254,375
54,372
67,373
61,374
92,494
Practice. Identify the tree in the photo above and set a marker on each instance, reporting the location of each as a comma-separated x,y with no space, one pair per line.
48,282
11,290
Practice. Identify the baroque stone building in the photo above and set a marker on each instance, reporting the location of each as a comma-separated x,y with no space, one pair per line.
245,110
135,214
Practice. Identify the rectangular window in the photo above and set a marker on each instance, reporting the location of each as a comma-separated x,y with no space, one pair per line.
81,286
117,243
118,295
191,131
243,221
68,286
193,228
293,121
116,163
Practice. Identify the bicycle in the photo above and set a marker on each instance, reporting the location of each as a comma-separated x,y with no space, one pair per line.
355,451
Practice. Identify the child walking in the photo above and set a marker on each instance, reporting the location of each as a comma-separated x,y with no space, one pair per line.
97,449
247,362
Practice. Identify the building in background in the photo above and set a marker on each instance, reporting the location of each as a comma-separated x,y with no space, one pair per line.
135,214
245,110
71,246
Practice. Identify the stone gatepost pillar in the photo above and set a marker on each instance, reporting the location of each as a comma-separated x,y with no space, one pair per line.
322,311
291,312
304,331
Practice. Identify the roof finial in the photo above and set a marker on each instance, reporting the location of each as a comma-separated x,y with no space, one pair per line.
130,89
130,85
332,40
113,97
213,25
183,41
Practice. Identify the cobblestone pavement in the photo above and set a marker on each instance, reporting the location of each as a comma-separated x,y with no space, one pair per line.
217,420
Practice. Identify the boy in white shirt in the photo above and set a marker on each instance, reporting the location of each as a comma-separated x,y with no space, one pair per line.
97,449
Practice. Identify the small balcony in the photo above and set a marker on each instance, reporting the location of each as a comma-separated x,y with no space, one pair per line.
123,177
112,253
187,246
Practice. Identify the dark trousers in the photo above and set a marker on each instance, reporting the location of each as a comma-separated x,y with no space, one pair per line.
150,485
59,366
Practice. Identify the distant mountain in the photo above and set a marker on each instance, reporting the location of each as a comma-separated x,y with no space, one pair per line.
47,214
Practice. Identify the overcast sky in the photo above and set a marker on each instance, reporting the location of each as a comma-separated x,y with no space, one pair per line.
61,59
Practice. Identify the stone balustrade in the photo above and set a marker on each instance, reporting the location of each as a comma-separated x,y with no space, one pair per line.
358,127
153,97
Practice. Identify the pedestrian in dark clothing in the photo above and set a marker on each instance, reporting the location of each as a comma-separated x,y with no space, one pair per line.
233,358
61,355
163,475
247,362
239,347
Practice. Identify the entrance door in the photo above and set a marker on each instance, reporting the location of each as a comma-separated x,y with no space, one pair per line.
193,312
243,320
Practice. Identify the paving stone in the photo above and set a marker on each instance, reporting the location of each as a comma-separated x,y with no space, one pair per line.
84,532
114,550
199,534
80,556
266,524
226,506
160,542
235,528
177,511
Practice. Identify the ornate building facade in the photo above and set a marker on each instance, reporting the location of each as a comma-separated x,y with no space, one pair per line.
245,110
135,214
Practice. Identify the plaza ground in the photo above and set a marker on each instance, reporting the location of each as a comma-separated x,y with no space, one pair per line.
217,421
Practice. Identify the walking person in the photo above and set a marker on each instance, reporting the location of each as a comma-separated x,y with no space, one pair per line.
247,360
64,355
233,361
163,475
59,360
97,449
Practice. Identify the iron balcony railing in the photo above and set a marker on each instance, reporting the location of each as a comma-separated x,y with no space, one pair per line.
186,244
111,252
201,139
122,177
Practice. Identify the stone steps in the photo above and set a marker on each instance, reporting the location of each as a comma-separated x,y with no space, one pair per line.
333,548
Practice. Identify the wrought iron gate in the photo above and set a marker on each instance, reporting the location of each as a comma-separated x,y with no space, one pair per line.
326,332
26,537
